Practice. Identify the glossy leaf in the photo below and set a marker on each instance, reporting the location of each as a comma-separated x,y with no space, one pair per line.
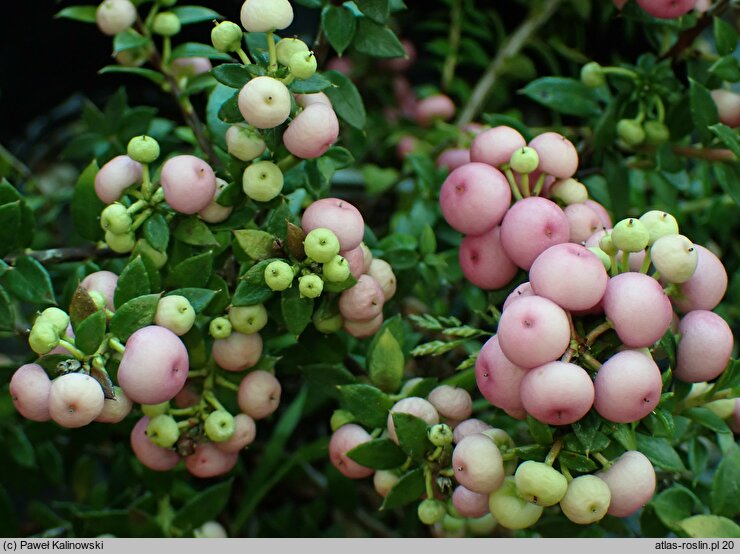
133,315
378,454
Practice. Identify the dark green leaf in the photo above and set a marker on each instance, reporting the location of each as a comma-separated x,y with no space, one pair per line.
129,40
133,315
378,454
726,68
386,362
315,83
195,232
86,206
709,526
90,333
198,298
577,462
257,244
204,506
339,26
369,405
408,489
377,10
725,37
8,522
563,95
541,432
86,14
423,387
133,282
726,486
296,310
19,446
194,14
229,111
675,504
198,50
192,272
252,288
232,75
9,194
7,312
29,281
412,434
377,40
327,377
10,222
157,232
703,110
154,76
708,419
698,457
728,136
660,452
51,460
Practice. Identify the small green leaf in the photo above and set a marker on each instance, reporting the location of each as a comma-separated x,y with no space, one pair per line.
675,504
709,526
386,363
660,452
198,50
194,14
541,432
577,462
252,289
86,14
408,489
369,405
7,312
258,245
377,10
726,68
567,96
315,83
339,26
10,222
90,333
725,37
133,315
29,281
154,76
129,40
232,75
198,298
19,446
86,206
327,376
708,419
412,434
192,272
133,282
703,110
296,311
726,486
204,506
195,232
157,232
698,457
229,111
378,454
377,40
728,136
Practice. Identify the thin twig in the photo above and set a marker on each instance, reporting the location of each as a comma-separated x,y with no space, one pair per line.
69,254
710,154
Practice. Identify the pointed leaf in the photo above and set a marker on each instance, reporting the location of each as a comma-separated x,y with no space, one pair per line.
90,332
378,454
29,281
133,282
409,489
133,315
369,405
412,434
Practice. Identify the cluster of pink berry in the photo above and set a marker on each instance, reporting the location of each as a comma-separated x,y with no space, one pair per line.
668,9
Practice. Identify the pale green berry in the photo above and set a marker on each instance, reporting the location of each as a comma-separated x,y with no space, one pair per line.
44,337
539,483
116,219
321,245
430,511
175,313
58,319
510,510
302,65
453,524
219,426
226,36
336,270
146,250
722,408
607,245
244,143
631,132
659,224
592,75
328,324
287,47
153,410
121,244
586,500
630,235
440,434
262,181
524,160
675,257
248,319
482,526
278,275
605,259
143,149
163,431
340,418
166,24
656,133
569,191
220,328
310,286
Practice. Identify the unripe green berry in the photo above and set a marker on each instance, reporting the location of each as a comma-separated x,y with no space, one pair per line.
143,149
336,270
166,24
303,65
605,259
592,75
310,286
220,328
630,235
248,319
43,338
153,410
58,319
116,219
219,426
539,483
630,131
482,526
569,191
430,511
287,47
586,500
122,244
453,524
321,245
328,324
607,245
340,418
440,434
226,36
175,313
262,181
524,160
656,133
659,224
278,275
675,257
244,143
146,250
163,431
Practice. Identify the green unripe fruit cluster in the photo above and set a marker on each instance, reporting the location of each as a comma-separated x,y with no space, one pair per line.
336,270
631,132
278,275
659,224
321,245
116,219
121,244
220,328
592,75
219,426
166,24
57,318
287,48
163,431
143,149
310,286
431,511
43,338
524,160
226,36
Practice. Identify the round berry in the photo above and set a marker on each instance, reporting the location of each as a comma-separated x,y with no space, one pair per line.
115,16
220,328
238,351
29,390
586,500
423,409
248,319
263,16
705,346
312,132
631,481
557,393
321,245
116,176
510,510
152,456
310,286
539,483
339,216
259,394
163,431
264,102
175,313
262,181
188,182
75,399
220,426
342,441
143,149
226,36
627,387
245,431
278,275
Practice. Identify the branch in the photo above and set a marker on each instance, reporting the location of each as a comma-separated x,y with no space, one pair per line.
711,154
510,48
688,37
70,254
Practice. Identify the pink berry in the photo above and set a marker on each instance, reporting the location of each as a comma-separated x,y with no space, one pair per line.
362,302
484,261
259,394
468,427
728,106
189,183
115,409
116,176
415,406
474,198
705,346
361,329
340,217
245,431
29,389
452,403
154,366
478,464
382,272
75,399
600,210
522,291
557,393
342,441
406,145
570,275
152,456
312,132
497,377
469,503
104,282
209,461
530,227
627,386
706,287
190,67
237,352
583,222
667,9
495,146
452,158
356,260
638,308
631,480
533,331
438,106
558,156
